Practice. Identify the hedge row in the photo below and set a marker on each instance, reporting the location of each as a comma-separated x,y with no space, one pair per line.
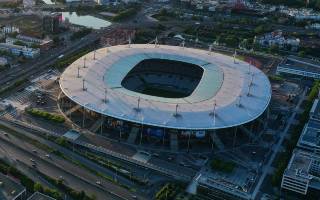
45,115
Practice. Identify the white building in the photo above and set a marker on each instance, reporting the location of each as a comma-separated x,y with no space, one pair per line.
20,50
10,29
277,38
3,61
302,172
29,41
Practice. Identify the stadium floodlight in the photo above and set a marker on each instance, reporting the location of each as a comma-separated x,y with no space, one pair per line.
83,86
182,44
137,109
105,100
78,72
239,100
251,81
213,113
210,49
156,42
84,62
129,42
107,48
249,90
176,114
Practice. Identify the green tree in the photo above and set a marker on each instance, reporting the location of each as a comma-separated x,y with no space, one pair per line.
259,29
38,187
274,48
302,53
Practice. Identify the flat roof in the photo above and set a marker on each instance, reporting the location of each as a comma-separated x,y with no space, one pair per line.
234,88
311,133
299,164
237,183
9,189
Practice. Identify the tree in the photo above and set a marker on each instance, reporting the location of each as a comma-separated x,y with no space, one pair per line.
259,29
302,53
163,12
38,187
274,48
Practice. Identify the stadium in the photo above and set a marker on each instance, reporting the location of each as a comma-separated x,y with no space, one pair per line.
163,96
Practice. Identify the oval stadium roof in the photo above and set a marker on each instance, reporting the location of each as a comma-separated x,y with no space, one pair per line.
235,92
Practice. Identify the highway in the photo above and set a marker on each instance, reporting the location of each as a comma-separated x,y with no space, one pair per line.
53,171
60,167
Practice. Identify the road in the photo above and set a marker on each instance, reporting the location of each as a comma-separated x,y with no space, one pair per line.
267,168
75,169
53,171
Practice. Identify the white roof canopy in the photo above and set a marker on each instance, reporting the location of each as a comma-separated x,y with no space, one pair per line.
240,92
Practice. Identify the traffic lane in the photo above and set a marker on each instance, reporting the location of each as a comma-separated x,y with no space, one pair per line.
71,167
139,170
53,171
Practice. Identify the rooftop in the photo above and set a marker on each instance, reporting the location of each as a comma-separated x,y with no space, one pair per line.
311,134
12,46
226,87
9,189
238,183
300,163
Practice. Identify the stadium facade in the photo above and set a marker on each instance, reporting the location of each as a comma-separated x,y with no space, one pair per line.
161,88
